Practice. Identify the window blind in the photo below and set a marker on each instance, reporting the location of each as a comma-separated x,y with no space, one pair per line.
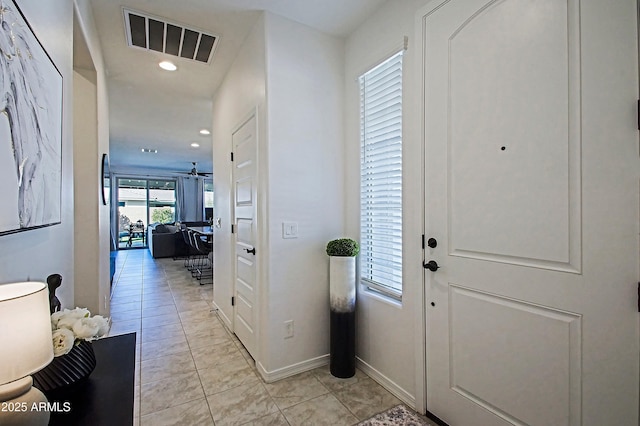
381,177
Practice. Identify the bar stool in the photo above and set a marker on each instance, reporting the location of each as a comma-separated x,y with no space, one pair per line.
199,262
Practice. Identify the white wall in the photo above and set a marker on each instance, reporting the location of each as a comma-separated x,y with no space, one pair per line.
305,185
304,179
38,253
242,90
87,258
387,332
297,91
92,285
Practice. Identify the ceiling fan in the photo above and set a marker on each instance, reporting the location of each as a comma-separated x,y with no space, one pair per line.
194,171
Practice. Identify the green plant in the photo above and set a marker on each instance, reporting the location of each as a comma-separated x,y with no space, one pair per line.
162,215
343,247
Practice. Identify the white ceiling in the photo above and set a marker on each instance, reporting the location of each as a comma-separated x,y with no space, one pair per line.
151,108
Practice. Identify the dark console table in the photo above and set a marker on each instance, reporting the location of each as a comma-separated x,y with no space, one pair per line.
106,398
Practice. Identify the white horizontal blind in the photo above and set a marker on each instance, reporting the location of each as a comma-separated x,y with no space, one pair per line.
381,176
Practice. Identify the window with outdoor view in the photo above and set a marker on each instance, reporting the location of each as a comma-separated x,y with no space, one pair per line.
142,202
381,177
208,200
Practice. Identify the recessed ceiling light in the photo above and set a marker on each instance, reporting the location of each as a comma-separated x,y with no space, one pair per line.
166,65
205,132
149,150
195,145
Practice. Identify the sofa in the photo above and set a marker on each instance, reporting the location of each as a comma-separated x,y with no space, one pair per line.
166,241
200,223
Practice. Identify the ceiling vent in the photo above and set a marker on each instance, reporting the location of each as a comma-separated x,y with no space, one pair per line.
153,33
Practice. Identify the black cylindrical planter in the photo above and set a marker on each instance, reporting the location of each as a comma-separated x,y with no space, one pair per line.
342,358
342,288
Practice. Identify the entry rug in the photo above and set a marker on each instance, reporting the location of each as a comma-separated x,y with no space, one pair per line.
396,416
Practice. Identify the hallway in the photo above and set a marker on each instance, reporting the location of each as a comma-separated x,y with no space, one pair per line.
190,370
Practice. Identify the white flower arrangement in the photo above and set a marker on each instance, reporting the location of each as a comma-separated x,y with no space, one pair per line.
70,326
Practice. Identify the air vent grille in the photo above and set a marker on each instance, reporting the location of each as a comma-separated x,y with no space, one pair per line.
153,33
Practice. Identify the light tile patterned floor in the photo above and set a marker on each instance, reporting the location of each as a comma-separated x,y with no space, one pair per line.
190,370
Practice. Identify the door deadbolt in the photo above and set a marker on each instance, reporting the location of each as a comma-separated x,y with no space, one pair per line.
432,242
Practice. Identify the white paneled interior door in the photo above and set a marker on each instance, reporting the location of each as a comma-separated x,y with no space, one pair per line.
532,197
245,207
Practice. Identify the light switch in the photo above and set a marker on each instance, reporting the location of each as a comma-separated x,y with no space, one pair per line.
289,230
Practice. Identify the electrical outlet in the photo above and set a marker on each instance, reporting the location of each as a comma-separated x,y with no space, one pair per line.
105,303
288,329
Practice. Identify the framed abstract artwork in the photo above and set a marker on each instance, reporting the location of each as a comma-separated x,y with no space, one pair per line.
30,127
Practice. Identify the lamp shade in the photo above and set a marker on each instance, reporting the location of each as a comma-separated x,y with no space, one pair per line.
25,330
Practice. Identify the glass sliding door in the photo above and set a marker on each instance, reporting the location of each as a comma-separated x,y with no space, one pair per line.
140,202
162,201
132,212
208,200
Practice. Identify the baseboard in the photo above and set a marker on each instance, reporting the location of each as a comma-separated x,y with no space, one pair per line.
225,319
291,370
387,383
310,364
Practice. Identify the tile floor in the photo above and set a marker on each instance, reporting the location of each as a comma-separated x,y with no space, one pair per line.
190,370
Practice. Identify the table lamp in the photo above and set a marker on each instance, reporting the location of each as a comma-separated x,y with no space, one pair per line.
25,333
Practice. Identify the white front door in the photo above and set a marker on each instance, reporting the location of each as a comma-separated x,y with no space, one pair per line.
245,207
532,197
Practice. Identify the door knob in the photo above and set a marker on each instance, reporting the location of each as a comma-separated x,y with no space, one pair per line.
431,265
252,251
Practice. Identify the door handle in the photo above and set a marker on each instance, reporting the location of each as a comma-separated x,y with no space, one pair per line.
431,265
252,251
